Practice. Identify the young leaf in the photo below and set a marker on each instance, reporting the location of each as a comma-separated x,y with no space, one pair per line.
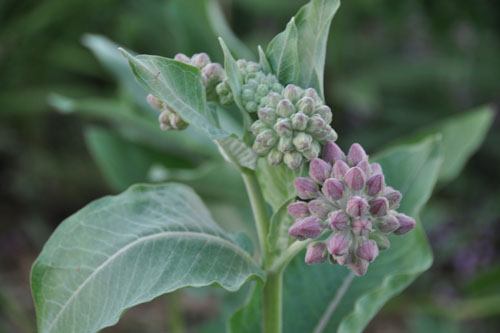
237,152
120,251
281,221
283,54
264,63
179,85
234,76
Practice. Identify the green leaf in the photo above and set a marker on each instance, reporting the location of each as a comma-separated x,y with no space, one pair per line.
120,251
180,86
462,135
283,54
234,76
278,239
264,63
246,319
237,152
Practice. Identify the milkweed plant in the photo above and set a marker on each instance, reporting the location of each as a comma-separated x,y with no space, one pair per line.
337,230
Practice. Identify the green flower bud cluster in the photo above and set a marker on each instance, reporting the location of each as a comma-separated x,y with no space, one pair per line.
168,118
292,126
212,73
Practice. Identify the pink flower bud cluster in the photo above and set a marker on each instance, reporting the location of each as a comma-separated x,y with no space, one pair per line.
348,196
168,118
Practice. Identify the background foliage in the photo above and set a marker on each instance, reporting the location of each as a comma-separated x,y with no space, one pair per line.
74,126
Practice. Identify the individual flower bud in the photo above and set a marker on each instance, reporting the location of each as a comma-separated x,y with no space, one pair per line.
319,208
338,220
379,206
368,250
333,189
299,121
182,58
319,170
200,60
309,227
325,112
247,94
293,160
381,240
316,253
164,121
338,244
387,224
357,206
345,259
361,226
376,168
302,141
332,153
359,267
260,149
356,154
306,188
292,93
283,127
312,152
375,184
285,144
355,178
285,108
316,124
258,127
298,209
214,71
266,138
275,157
251,106
365,166
155,102
223,88
339,169
312,93
272,99
406,224
393,196
262,90
306,105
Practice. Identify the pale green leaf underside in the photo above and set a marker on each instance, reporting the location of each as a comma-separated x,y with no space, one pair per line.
123,250
283,54
237,152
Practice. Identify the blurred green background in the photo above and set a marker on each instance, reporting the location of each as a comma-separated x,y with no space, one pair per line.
74,126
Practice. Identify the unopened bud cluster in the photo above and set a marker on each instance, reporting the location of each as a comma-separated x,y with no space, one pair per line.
347,196
292,126
168,118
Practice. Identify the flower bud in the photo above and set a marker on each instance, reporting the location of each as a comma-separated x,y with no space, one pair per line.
319,170
316,253
332,153
357,206
258,127
285,144
376,168
338,244
312,152
262,90
379,206
381,240
393,196
316,124
339,169
306,105
200,60
368,250
283,127
309,227
251,106
359,267
182,58
164,121
272,99
275,157
306,188
406,224
356,154
298,209
326,134
155,102
177,122
355,178
333,189
293,160
299,121
285,108
325,112
365,166
387,224
361,226
312,93
302,141
345,259
267,115
214,71
292,93
266,138
374,184
338,220
319,208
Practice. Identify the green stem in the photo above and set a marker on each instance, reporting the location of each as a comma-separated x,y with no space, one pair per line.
259,209
272,312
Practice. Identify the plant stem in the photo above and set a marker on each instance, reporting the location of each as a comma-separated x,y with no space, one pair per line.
259,209
281,262
272,311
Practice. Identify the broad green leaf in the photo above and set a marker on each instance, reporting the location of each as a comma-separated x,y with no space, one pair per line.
180,86
283,54
308,290
234,76
237,152
247,318
461,137
264,63
120,251
278,239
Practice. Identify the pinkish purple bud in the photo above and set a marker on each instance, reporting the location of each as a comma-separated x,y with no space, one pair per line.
365,166
406,224
355,178
338,220
309,227
361,227
333,189
338,243
393,196
306,188
356,154
357,206
332,152
182,58
319,170
319,208
368,250
359,267
375,184
379,206
316,253
155,102
381,240
298,209
345,259
339,169
376,168
387,224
